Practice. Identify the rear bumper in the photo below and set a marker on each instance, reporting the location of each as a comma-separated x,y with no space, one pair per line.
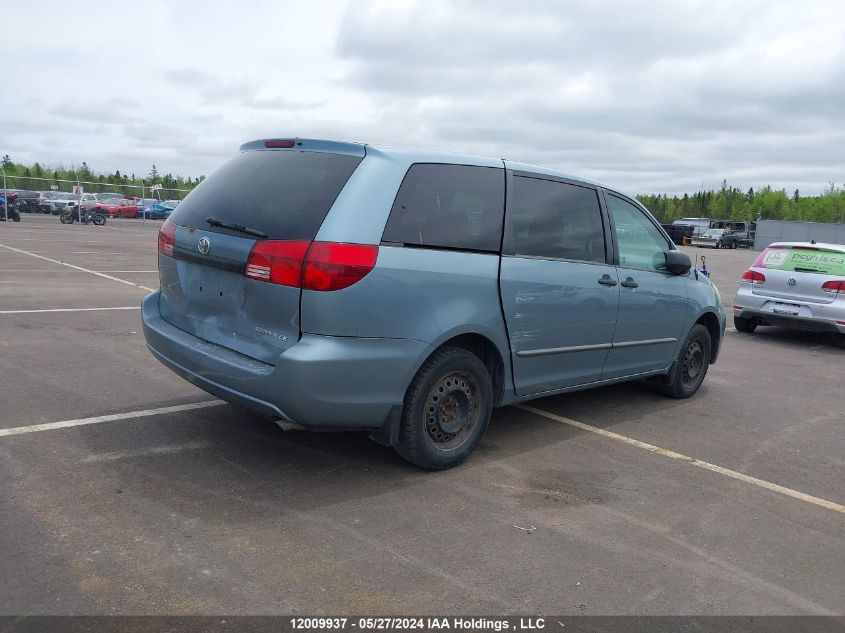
320,382
814,317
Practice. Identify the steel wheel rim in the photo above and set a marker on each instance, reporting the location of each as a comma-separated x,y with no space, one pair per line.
693,363
452,410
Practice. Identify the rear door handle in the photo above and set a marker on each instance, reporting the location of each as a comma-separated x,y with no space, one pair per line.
629,283
606,280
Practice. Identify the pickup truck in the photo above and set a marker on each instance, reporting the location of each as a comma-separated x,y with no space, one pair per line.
717,238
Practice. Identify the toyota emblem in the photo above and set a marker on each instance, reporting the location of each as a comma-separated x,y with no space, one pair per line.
204,245
792,281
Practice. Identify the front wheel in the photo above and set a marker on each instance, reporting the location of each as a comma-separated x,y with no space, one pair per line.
446,410
66,218
690,367
97,219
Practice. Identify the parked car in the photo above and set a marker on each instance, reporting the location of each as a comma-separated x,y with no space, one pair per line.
55,202
333,285
162,210
116,208
716,238
798,285
89,201
145,207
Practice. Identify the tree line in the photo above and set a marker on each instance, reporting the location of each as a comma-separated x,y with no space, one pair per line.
767,203
38,177
726,203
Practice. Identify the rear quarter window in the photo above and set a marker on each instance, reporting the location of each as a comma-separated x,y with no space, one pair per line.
285,194
449,206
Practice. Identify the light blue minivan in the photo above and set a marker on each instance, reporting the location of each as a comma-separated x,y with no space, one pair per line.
333,285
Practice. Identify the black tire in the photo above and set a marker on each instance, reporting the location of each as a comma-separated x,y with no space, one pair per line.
690,367
745,325
66,218
446,410
838,340
15,216
97,219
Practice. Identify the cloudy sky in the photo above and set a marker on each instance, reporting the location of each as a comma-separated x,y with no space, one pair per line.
650,97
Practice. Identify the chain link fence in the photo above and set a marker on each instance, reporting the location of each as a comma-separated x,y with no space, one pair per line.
33,194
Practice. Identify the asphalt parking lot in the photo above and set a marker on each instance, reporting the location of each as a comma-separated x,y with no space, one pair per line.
210,510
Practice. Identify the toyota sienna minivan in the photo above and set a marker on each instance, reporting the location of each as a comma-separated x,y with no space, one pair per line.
333,285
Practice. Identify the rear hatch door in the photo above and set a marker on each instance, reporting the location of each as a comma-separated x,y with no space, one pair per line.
798,272
281,194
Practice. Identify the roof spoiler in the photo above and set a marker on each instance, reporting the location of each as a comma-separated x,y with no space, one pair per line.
306,145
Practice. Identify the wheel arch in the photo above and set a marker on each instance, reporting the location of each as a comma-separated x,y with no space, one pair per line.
477,340
711,322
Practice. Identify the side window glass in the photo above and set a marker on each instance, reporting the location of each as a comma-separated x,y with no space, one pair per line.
555,220
640,244
449,206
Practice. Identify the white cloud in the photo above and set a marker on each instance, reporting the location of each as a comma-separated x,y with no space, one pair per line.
648,97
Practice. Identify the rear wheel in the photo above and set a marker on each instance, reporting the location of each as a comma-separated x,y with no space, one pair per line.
690,367
446,410
839,340
745,325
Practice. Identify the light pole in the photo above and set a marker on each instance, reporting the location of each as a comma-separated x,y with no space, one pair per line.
5,197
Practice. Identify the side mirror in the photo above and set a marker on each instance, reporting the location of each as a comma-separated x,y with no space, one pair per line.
678,262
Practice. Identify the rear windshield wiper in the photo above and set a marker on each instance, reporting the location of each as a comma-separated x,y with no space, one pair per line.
809,270
234,226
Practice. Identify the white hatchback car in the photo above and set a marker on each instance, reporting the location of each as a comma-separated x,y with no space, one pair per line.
797,285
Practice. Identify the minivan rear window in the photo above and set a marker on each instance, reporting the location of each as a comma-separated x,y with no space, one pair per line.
449,206
285,194
804,259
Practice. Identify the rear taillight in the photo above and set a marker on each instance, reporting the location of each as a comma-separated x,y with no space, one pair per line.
166,238
330,266
753,277
277,261
311,266
834,287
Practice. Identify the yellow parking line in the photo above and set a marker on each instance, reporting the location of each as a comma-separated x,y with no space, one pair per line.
789,492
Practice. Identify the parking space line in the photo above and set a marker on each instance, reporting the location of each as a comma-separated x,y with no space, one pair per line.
68,310
86,270
147,452
129,415
789,492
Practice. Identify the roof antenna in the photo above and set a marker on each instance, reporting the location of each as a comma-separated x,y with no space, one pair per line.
812,241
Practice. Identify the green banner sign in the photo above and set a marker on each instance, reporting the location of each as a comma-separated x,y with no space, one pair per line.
805,260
